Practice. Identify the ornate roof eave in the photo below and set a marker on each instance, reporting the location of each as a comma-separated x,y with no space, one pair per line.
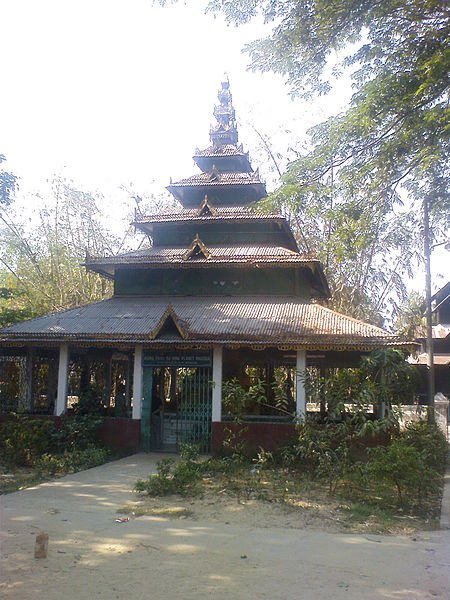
193,215
213,184
224,151
271,321
196,342
258,262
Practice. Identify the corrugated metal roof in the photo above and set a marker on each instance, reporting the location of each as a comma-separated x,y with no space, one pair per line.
219,178
268,320
222,213
264,253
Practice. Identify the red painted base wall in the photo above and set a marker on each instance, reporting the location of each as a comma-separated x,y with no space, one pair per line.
269,436
116,433
121,433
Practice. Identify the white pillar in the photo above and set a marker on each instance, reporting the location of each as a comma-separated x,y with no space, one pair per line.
217,387
300,399
63,373
137,383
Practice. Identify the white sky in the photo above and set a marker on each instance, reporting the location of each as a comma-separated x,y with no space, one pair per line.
114,92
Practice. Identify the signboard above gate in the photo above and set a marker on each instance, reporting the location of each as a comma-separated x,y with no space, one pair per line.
177,359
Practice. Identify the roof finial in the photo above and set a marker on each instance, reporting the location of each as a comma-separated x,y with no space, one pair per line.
225,132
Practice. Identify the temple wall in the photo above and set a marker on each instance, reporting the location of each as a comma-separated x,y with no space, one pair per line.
270,436
117,433
121,433
212,281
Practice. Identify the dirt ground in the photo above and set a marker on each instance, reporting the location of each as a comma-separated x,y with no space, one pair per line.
186,549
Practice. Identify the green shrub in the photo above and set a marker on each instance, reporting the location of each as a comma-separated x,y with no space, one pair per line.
174,478
414,463
49,464
89,402
289,454
430,441
23,439
325,450
161,484
399,464
78,460
71,462
77,432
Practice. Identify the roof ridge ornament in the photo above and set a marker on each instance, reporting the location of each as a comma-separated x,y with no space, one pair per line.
169,317
206,208
197,247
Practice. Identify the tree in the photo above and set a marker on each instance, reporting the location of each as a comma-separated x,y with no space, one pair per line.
397,128
365,248
392,141
42,268
410,321
8,185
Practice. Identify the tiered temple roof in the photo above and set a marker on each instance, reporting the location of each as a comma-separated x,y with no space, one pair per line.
224,165
219,269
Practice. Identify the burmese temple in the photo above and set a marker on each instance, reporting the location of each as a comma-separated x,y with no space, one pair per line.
220,292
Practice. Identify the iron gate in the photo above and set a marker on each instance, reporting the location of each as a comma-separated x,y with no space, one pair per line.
194,394
186,403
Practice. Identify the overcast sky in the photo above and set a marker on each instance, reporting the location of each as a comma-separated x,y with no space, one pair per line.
114,92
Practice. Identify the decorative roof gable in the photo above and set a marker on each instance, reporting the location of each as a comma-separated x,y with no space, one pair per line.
168,324
195,249
206,209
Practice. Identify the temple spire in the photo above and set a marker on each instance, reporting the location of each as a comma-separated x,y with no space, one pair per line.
225,132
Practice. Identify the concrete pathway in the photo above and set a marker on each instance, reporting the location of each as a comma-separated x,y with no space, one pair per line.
92,556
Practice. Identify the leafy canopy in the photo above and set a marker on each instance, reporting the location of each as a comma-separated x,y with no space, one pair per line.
398,124
345,195
40,264
8,184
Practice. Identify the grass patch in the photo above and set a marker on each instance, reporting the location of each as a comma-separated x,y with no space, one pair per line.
298,498
49,467
365,516
19,479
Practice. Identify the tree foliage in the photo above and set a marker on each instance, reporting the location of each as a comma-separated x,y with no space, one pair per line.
8,184
345,195
41,263
398,124
411,322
